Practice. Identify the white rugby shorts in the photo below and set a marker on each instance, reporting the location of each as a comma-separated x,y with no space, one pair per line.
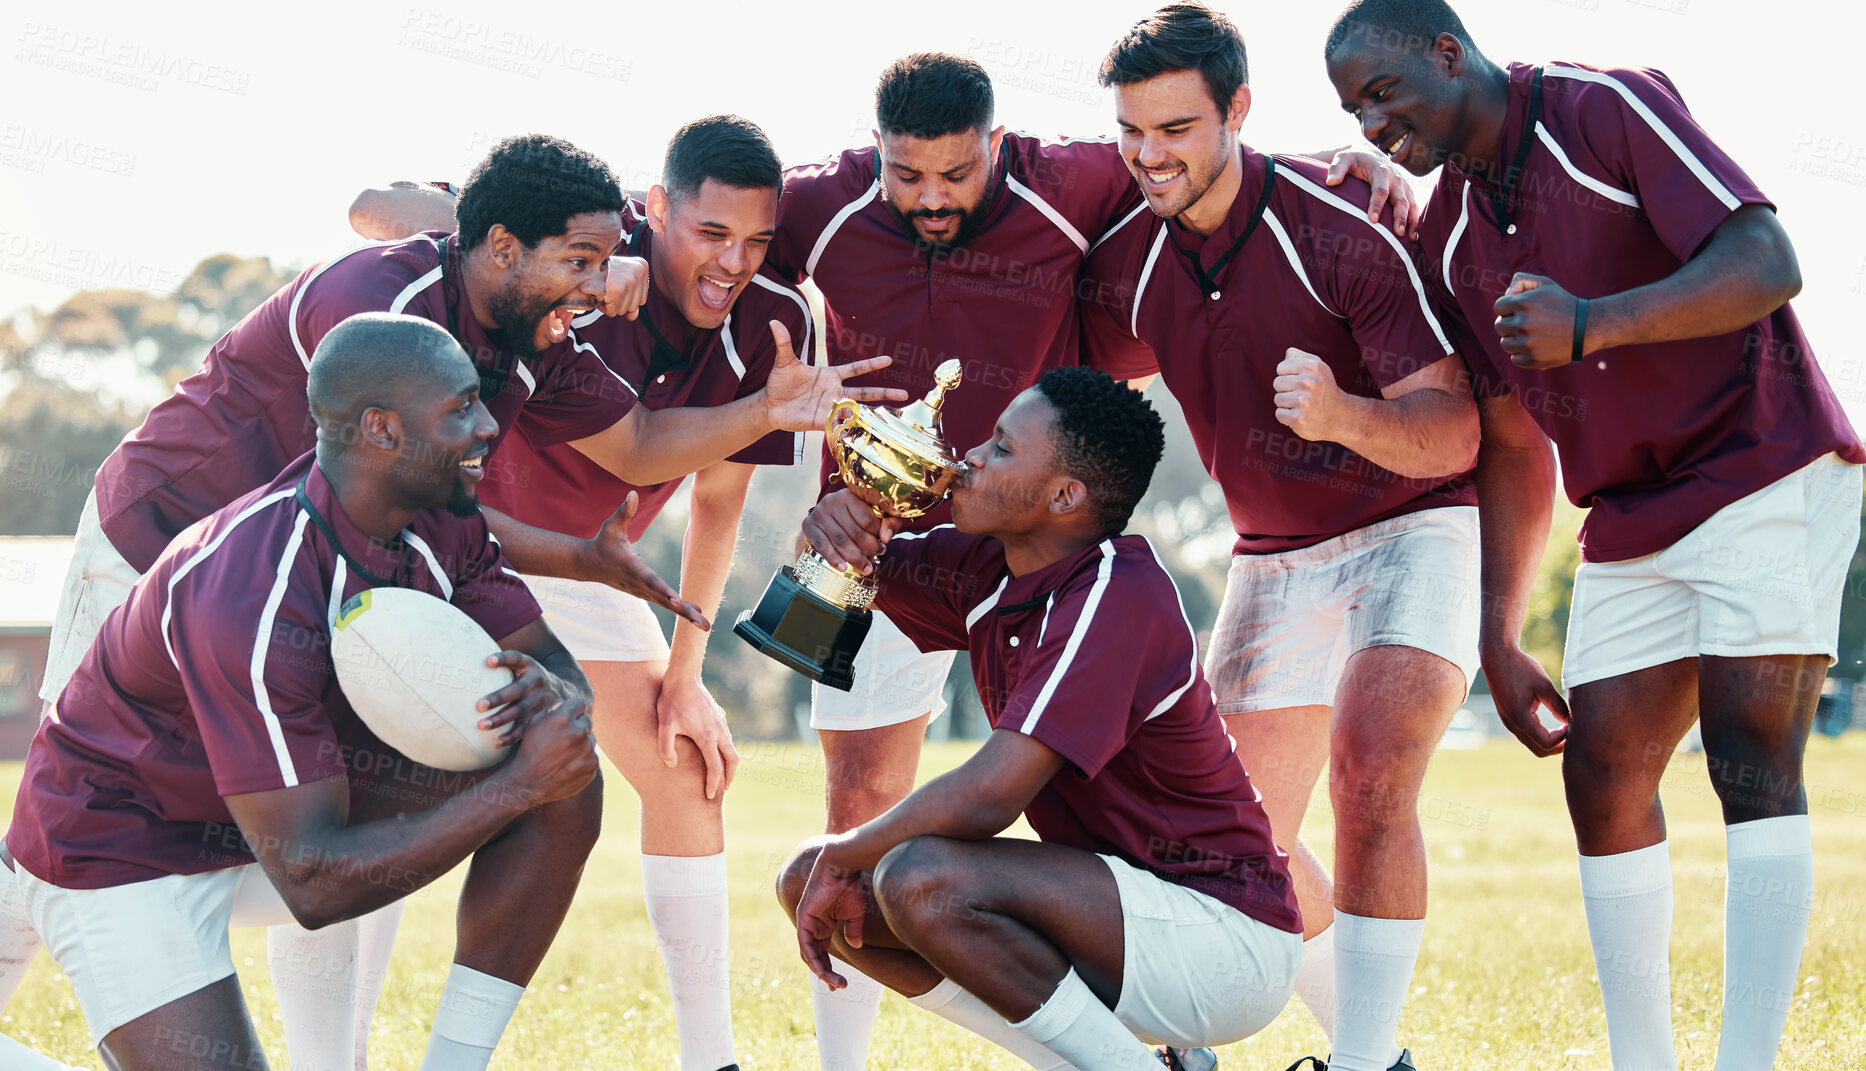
1197,972
98,582
894,682
598,623
129,949
1290,620
1761,576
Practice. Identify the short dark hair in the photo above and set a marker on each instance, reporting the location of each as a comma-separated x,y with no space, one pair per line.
932,94
1108,436
1181,37
725,148
534,184
366,360
1397,25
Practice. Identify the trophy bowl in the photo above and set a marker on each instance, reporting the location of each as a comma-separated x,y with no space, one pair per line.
813,617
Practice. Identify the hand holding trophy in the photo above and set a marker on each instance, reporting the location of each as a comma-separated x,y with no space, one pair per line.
814,616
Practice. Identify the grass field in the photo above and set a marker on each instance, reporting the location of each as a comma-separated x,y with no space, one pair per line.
1505,979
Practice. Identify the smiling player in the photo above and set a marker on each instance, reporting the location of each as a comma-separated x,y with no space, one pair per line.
1625,285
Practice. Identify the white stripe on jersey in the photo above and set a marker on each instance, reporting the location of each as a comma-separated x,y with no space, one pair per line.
1082,625
1049,210
291,320
168,607
732,351
262,644
1138,209
434,565
1457,232
1332,199
1192,667
1289,251
1140,288
408,292
1690,160
1609,192
836,221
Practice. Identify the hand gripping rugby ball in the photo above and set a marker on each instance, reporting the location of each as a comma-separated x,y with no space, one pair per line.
413,666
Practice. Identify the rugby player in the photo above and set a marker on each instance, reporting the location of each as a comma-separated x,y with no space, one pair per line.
947,238
1328,403
1625,286
1104,738
539,219
701,338
202,769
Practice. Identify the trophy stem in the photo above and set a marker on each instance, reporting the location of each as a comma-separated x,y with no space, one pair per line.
843,587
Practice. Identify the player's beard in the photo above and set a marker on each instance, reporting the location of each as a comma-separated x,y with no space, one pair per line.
462,501
965,231
518,313
1201,175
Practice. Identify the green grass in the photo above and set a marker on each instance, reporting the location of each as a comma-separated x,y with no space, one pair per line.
1505,979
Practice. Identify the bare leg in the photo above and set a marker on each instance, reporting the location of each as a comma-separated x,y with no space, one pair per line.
207,1029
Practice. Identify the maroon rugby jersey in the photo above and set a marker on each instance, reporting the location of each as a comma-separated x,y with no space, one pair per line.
1003,303
1294,264
557,488
1619,187
214,679
1093,657
231,426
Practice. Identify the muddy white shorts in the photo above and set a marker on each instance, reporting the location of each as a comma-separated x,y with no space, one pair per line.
1290,621
98,582
1761,576
1197,972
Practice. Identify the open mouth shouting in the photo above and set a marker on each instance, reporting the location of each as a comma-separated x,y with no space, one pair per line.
716,291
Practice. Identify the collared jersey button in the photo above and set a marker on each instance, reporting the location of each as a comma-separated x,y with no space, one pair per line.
1013,641
662,378
1512,228
1215,295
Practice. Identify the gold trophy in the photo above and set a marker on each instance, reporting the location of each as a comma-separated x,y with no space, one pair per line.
813,617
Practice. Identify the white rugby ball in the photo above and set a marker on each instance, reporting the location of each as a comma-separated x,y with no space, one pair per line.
413,666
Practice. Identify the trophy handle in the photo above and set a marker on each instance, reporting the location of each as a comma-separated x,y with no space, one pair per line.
843,414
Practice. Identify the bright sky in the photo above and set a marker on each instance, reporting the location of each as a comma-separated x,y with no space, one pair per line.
140,137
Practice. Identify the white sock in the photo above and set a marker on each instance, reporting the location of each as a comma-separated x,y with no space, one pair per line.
1374,958
17,1057
950,1001
844,1018
1076,1025
1315,979
1767,899
686,898
474,1010
1628,898
327,982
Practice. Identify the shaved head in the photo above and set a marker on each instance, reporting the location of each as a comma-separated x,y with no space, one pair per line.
381,360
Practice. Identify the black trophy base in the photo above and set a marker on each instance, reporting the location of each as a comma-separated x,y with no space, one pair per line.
799,628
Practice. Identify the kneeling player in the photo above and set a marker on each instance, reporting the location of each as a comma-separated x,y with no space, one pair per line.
203,728
1105,738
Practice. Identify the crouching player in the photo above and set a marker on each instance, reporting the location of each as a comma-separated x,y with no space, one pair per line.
1104,737
202,769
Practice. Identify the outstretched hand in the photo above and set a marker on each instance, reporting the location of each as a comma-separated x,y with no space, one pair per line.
798,396
610,558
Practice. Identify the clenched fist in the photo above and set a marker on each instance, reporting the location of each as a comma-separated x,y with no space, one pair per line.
1308,400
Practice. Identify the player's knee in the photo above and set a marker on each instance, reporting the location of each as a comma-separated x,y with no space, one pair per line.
915,879
574,823
794,875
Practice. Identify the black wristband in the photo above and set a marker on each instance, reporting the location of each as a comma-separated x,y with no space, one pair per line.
1580,329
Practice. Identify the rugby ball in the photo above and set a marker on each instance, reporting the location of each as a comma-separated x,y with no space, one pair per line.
413,667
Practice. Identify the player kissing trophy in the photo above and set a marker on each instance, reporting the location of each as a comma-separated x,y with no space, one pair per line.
813,617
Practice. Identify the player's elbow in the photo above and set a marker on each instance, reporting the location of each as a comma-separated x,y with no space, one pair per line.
368,217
